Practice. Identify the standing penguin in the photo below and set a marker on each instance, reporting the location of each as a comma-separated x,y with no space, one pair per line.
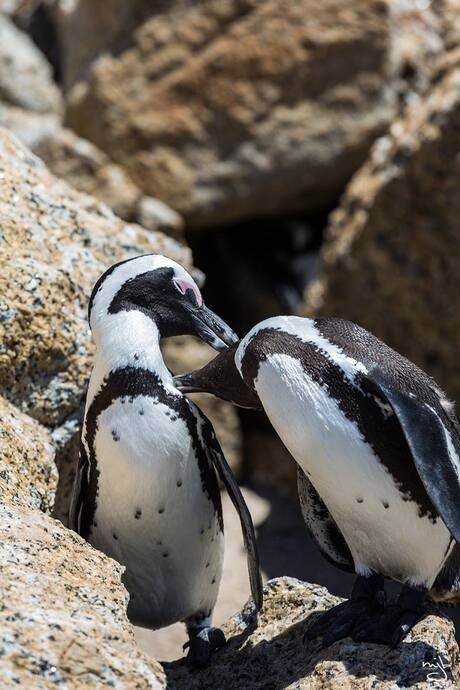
378,451
146,491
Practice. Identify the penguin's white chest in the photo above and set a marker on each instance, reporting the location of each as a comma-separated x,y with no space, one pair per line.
153,514
384,532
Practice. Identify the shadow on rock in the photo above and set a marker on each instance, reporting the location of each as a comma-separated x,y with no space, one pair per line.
274,656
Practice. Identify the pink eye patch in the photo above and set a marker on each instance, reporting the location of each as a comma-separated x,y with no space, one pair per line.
184,285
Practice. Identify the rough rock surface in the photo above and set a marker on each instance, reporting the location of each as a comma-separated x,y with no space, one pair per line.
88,169
62,618
393,245
25,75
27,468
418,39
217,102
31,128
274,657
54,244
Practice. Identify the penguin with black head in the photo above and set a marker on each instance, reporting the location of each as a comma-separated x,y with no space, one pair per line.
146,491
377,446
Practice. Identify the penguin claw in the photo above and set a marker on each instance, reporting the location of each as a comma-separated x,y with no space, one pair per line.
337,623
202,645
323,622
367,601
389,629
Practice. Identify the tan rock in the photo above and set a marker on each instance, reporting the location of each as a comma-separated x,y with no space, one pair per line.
226,110
89,170
418,39
31,128
155,215
25,75
62,619
275,656
27,470
54,244
392,255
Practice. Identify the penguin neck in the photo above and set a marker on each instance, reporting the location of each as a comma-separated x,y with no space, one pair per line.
130,339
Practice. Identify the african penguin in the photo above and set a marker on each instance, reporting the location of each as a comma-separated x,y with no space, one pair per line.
378,451
146,491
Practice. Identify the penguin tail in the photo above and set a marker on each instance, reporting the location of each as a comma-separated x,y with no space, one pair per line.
446,588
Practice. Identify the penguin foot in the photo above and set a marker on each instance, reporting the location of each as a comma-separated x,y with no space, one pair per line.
367,601
398,619
202,644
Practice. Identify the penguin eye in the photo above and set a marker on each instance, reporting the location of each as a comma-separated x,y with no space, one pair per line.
184,285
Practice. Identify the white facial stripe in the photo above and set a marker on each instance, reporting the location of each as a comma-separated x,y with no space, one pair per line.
306,330
130,269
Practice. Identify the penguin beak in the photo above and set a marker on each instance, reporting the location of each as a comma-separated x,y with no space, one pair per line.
212,329
186,384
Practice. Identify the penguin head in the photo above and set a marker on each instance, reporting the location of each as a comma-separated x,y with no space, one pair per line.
221,378
162,290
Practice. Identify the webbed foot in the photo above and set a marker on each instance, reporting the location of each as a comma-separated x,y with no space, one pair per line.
367,600
202,644
398,619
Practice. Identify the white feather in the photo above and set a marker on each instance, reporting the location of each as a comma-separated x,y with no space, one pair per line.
395,541
306,330
141,471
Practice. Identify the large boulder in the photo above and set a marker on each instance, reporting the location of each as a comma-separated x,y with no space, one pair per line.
88,169
25,75
229,110
63,614
27,469
55,242
392,255
274,656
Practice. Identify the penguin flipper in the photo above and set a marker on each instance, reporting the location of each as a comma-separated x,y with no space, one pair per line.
78,491
432,449
321,525
226,475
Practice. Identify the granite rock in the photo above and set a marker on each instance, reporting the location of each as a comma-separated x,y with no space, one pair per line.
273,656
62,617
228,110
27,470
88,169
87,28
393,245
55,242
